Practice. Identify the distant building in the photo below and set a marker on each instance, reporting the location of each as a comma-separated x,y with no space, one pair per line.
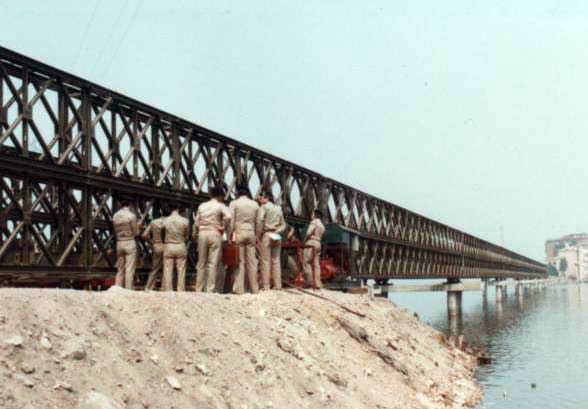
568,255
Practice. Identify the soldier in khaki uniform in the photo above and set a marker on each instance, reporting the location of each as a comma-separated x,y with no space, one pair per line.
222,272
126,230
210,222
175,228
312,251
243,220
154,233
291,270
270,224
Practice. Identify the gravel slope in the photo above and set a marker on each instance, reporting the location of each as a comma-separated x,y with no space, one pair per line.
121,349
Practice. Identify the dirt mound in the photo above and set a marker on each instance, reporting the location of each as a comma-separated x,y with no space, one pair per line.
122,349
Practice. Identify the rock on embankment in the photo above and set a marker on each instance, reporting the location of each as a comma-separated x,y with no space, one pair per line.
120,349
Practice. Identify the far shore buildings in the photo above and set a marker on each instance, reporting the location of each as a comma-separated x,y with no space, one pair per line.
568,256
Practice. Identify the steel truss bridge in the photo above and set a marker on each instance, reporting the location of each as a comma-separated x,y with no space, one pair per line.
70,149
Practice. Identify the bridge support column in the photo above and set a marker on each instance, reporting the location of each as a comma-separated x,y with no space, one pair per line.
519,289
500,291
455,325
484,287
499,311
454,290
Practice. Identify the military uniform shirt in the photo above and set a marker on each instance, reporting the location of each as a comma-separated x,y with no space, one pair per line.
125,224
270,219
212,216
176,228
315,231
243,214
154,231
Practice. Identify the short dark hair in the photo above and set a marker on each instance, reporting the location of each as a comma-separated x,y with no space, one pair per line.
217,191
268,194
243,191
164,209
125,202
318,213
175,206
157,209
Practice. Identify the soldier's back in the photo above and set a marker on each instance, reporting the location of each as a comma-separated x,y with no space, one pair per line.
122,223
176,228
211,215
245,210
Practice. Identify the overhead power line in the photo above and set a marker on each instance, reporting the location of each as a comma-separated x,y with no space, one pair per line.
108,43
85,35
124,36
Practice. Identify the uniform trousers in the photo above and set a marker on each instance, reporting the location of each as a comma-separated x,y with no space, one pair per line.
156,266
312,264
174,254
126,262
245,239
270,262
209,247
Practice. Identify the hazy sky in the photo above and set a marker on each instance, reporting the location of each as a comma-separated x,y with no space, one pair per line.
472,113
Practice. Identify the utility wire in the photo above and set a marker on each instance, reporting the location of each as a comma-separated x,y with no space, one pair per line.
123,38
100,56
85,35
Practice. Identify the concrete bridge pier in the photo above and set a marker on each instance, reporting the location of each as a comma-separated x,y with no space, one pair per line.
455,325
454,290
520,300
501,291
498,311
484,287
519,289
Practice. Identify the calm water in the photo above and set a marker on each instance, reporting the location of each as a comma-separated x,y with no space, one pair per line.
541,339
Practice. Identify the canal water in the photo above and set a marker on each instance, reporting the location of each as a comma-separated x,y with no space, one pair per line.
539,343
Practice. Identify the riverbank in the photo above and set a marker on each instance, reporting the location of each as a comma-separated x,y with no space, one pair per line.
121,349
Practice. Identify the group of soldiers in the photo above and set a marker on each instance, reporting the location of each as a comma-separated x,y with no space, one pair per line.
254,226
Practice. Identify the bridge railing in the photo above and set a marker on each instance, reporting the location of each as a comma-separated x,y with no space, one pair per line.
69,149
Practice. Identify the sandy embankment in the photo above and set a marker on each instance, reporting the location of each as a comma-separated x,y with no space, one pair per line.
121,349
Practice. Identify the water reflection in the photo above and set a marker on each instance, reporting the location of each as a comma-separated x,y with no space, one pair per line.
537,336
481,323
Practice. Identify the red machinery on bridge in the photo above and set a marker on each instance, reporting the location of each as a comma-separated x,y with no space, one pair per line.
337,256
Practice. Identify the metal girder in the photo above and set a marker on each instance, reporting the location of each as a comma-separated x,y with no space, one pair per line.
91,145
